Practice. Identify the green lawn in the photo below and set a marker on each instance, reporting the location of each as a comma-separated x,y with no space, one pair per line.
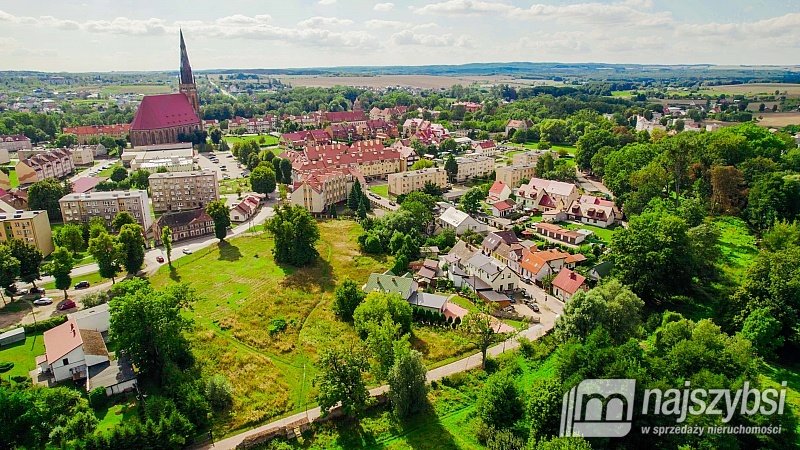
12,178
234,185
602,234
737,245
144,89
268,140
535,146
112,416
772,375
108,170
381,189
23,354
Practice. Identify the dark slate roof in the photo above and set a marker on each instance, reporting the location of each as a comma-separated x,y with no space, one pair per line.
426,300
179,219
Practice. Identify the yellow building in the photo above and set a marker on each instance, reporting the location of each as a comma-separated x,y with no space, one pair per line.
473,167
514,175
32,227
415,180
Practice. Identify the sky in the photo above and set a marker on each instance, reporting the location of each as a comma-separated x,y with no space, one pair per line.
123,35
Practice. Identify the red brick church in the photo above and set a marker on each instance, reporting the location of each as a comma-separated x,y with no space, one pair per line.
161,118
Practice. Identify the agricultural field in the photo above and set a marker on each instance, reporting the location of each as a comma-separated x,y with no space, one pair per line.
261,324
418,81
792,90
779,120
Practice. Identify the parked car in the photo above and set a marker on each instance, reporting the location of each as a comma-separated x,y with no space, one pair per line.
82,284
36,290
160,259
69,304
186,251
43,301
535,307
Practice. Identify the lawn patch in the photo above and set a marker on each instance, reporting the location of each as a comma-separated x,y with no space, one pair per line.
23,354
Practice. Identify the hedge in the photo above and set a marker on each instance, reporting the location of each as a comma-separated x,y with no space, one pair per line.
44,325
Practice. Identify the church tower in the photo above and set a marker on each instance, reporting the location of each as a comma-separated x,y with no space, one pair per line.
187,85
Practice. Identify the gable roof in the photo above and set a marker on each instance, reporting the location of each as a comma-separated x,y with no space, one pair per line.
61,340
179,219
495,238
568,281
85,184
390,283
427,300
497,187
454,217
164,111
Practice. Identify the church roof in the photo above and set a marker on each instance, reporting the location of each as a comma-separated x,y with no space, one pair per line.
164,111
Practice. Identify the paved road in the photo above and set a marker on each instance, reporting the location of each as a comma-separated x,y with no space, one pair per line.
462,365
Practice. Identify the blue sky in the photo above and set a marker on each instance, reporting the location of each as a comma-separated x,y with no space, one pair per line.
120,35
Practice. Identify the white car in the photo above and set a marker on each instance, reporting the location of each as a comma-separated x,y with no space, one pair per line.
43,301
186,251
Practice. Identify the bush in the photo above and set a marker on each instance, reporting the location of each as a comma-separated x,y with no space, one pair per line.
98,398
95,299
219,392
277,325
44,325
5,366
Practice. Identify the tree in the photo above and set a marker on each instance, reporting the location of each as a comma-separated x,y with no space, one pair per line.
286,170
140,179
44,195
477,326
726,189
71,237
499,404
215,135
379,305
653,255
118,174
149,327
347,297
9,270
611,305
276,167
263,180
66,140
354,199
590,143
30,260
131,241
60,268
451,167
544,407
407,383
422,164
362,209
296,234
341,380
221,215
384,339
471,201
219,392
107,253
763,331
121,219
166,241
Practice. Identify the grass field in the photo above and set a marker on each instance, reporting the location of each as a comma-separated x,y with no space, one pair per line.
23,354
381,189
12,178
234,185
737,245
269,140
144,89
93,278
754,89
603,234
108,170
113,415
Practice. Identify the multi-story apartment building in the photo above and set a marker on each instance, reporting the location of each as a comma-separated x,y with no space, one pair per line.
473,167
82,207
55,163
319,189
531,157
369,157
86,133
82,155
13,143
415,180
32,227
176,191
515,174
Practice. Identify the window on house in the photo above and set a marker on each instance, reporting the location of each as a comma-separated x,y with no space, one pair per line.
65,361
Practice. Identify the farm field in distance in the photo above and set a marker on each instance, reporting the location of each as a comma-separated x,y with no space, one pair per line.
417,81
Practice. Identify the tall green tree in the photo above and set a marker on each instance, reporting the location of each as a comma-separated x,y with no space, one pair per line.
140,179
499,404
61,267
131,241
221,215
286,171
379,305
296,234
407,383
346,299
71,237
590,143
166,241
263,180
612,305
107,253
121,219
354,199
30,260
118,174
9,270
341,380
451,167
215,135
471,201
44,195
477,326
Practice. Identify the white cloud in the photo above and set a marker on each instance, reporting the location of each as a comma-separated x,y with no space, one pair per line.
463,7
410,37
326,2
317,21
378,24
383,7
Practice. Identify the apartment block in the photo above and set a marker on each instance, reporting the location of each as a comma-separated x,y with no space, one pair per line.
415,180
531,157
32,227
83,155
55,163
82,207
320,189
515,174
178,191
473,167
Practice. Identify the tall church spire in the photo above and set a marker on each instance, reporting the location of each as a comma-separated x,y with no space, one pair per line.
186,69
187,85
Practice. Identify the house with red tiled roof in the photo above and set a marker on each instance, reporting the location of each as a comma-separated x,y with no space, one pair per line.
536,265
595,211
245,208
70,351
350,117
13,143
484,148
319,188
546,195
498,192
370,158
514,125
166,118
502,208
53,163
567,283
300,139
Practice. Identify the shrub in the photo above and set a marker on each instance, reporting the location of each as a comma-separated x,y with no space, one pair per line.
95,299
277,325
219,392
5,366
44,325
98,398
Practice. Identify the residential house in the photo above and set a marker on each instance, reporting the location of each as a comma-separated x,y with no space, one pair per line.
515,174
499,276
502,208
348,117
498,192
80,208
460,222
536,265
82,155
555,232
415,180
405,287
514,125
55,163
245,208
428,272
485,148
176,191
13,143
187,224
567,283
31,227
300,139
595,211
474,166
505,247
546,195
70,351
430,302
468,106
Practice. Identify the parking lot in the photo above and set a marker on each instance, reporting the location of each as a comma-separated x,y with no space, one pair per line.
223,163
